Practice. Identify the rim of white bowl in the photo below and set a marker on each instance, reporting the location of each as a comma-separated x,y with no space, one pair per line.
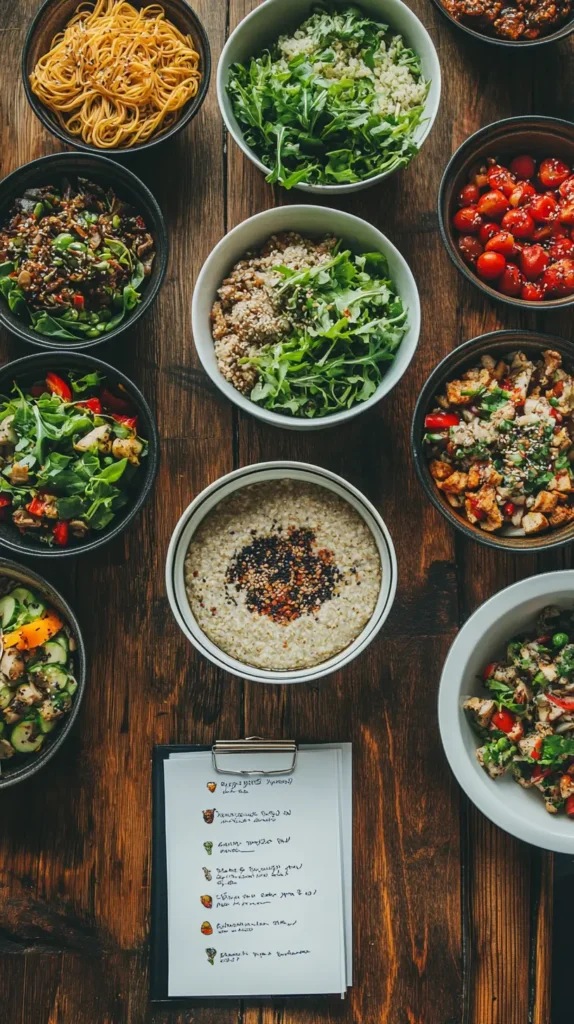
258,473
203,338
476,785
337,189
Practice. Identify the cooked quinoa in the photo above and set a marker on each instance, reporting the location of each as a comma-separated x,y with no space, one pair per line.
249,314
283,575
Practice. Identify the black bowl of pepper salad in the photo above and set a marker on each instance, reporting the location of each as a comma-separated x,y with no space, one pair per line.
512,23
83,251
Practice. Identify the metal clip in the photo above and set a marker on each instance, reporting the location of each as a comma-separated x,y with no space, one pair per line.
253,745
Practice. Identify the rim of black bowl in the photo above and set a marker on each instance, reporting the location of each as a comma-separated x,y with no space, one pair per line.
137,186
552,37
39,362
437,377
52,125
468,144
35,763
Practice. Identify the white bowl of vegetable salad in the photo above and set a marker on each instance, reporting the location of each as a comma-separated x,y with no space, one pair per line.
330,97
305,316
506,710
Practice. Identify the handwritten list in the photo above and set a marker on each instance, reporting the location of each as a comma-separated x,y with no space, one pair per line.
255,878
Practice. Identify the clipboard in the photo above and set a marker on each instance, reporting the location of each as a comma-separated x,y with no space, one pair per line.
252,745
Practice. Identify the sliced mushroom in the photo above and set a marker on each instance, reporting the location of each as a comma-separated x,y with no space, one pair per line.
99,438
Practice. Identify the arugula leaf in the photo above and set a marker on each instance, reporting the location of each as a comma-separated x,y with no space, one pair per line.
555,749
70,508
89,380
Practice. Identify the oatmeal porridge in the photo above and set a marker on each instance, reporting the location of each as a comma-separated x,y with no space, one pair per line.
283,575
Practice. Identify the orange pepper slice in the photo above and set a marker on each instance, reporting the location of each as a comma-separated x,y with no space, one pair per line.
35,633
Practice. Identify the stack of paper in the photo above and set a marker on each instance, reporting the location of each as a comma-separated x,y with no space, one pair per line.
258,875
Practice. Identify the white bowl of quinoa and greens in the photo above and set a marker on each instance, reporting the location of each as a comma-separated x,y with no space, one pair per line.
305,316
506,709
281,572
329,97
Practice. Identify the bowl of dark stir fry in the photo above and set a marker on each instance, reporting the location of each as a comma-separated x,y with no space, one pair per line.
83,251
78,453
506,709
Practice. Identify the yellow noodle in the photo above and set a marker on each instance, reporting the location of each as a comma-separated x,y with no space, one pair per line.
117,76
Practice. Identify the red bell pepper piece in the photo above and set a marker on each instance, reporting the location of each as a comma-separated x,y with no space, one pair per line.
540,773
509,509
127,421
566,703
61,533
93,404
58,387
536,752
570,806
5,507
440,420
78,301
112,403
490,670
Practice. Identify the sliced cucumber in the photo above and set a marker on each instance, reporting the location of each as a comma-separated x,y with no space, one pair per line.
6,695
25,737
2,727
61,639
46,725
7,609
55,652
53,675
72,685
34,606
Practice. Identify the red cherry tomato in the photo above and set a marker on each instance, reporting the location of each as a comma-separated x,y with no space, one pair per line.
441,420
501,179
533,261
509,509
503,720
93,404
560,248
490,670
519,222
532,291
569,806
542,208
521,194
469,195
490,265
57,386
511,280
552,172
470,248
488,230
566,213
467,220
523,167
502,242
566,189
558,279
493,204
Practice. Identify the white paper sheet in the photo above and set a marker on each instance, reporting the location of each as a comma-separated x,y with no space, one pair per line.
273,884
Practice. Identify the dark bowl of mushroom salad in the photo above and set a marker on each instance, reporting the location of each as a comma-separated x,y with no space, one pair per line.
83,250
78,453
525,720
42,671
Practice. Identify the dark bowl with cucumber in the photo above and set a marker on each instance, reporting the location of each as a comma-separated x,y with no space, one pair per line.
83,250
79,453
42,672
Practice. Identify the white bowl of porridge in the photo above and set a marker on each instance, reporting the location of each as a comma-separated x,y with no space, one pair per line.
281,572
240,312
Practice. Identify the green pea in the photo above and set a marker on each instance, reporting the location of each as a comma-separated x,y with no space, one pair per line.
57,261
62,241
102,265
101,328
560,639
92,333
116,221
77,247
38,210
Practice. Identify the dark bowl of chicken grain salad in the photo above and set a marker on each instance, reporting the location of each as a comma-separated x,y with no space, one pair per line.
493,440
83,251
79,453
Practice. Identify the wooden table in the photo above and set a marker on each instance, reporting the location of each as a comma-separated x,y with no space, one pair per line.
452,916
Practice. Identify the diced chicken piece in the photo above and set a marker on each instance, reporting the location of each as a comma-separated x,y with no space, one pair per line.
439,470
517,732
566,786
549,672
15,711
545,501
500,370
561,440
7,433
19,474
505,674
24,521
481,710
128,448
488,362
12,665
474,477
534,522
561,516
529,743
49,711
78,528
99,438
6,749
456,500
505,412
29,694
561,482
454,394
492,476
454,484
486,502
552,361
494,770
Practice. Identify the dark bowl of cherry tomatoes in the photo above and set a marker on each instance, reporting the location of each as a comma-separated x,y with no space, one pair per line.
506,211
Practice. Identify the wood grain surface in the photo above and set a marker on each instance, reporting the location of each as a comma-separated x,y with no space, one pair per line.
452,916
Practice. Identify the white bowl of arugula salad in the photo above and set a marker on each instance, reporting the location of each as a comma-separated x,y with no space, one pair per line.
305,316
329,97
506,710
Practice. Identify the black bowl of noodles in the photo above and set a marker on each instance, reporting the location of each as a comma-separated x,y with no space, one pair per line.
94,294
123,127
